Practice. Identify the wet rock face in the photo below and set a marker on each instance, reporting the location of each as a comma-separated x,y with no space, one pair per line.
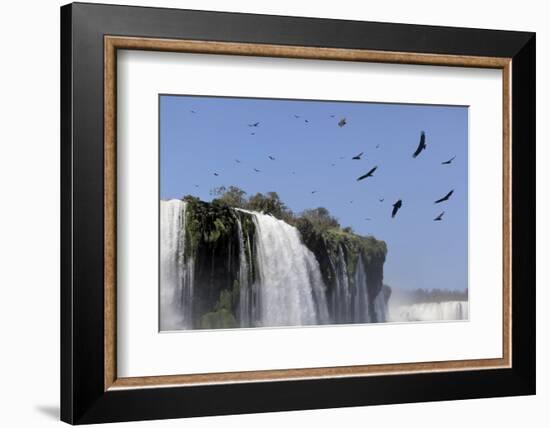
213,236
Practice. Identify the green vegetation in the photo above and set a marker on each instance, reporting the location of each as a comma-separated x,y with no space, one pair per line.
222,316
268,203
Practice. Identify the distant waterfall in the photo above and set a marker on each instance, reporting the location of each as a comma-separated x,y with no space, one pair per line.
443,311
176,269
291,289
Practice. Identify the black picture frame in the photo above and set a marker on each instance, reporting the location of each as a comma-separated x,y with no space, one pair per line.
83,397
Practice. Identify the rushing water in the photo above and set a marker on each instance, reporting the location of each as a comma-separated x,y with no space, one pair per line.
291,289
361,301
176,268
443,311
341,296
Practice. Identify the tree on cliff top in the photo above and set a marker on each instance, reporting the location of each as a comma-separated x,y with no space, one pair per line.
270,203
232,196
320,219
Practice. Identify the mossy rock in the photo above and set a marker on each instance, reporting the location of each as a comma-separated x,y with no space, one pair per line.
219,319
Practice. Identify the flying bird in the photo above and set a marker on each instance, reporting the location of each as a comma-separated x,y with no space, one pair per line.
306,121
439,217
254,125
332,164
257,170
396,208
193,111
368,219
342,122
368,174
313,191
351,202
332,115
252,133
196,185
448,162
380,199
271,157
378,146
421,144
216,174
237,160
444,198
296,116
358,157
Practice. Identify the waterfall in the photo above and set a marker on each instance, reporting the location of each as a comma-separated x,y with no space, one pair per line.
247,290
341,296
361,299
380,307
442,311
176,268
350,304
290,286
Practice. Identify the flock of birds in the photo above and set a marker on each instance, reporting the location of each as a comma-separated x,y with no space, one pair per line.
399,203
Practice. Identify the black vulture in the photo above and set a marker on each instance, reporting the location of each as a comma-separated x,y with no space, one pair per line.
444,198
358,157
254,125
342,122
271,157
421,144
448,162
439,217
368,174
396,208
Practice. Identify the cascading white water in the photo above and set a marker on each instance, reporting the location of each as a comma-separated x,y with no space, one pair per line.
381,307
361,298
176,268
245,292
341,297
291,289
443,311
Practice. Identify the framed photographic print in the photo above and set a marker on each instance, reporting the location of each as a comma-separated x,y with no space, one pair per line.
267,213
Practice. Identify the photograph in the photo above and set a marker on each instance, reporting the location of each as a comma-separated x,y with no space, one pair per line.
289,212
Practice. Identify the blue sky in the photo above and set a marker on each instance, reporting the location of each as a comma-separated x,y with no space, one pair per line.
316,156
